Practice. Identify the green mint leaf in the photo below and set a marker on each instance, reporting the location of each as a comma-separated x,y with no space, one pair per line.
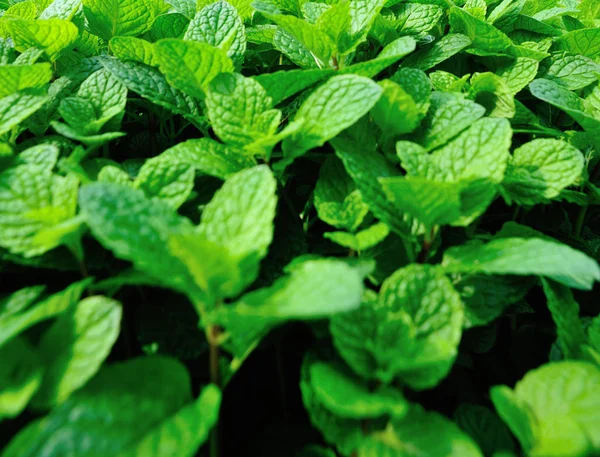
240,110
523,257
42,154
519,73
396,112
110,18
152,85
331,108
32,198
190,66
541,169
131,48
283,84
486,297
75,346
550,409
219,25
137,229
100,98
365,167
572,71
51,35
483,36
89,140
362,240
416,18
15,108
420,432
567,101
565,313
61,9
240,215
426,330
441,50
20,376
439,203
585,42
336,198
14,78
168,181
124,417
15,321
208,157
493,92
388,56
172,25
348,397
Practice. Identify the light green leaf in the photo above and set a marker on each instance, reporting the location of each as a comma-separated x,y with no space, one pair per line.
567,101
419,433
32,198
541,169
152,85
554,409
283,84
519,73
115,414
137,229
330,109
393,52
308,36
208,157
51,35
172,25
20,376
166,180
416,18
449,115
14,78
336,198
348,396
573,71
110,18
493,92
73,349
240,215
523,257
100,98
365,167
41,154
240,110
440,203
420,343
61,9
15,321
441,50
313,289
584,41
484,36
89,140
285,43
15,108
365,239
190,66
396,112
131,48
219,25
565,313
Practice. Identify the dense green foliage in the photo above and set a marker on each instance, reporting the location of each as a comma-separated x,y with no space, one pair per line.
358,228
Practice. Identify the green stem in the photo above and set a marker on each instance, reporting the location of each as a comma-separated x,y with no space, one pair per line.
580,221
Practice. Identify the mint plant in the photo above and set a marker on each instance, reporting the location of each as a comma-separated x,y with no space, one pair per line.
322,228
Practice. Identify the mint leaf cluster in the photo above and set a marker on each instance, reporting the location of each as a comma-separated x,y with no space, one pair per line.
354,228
